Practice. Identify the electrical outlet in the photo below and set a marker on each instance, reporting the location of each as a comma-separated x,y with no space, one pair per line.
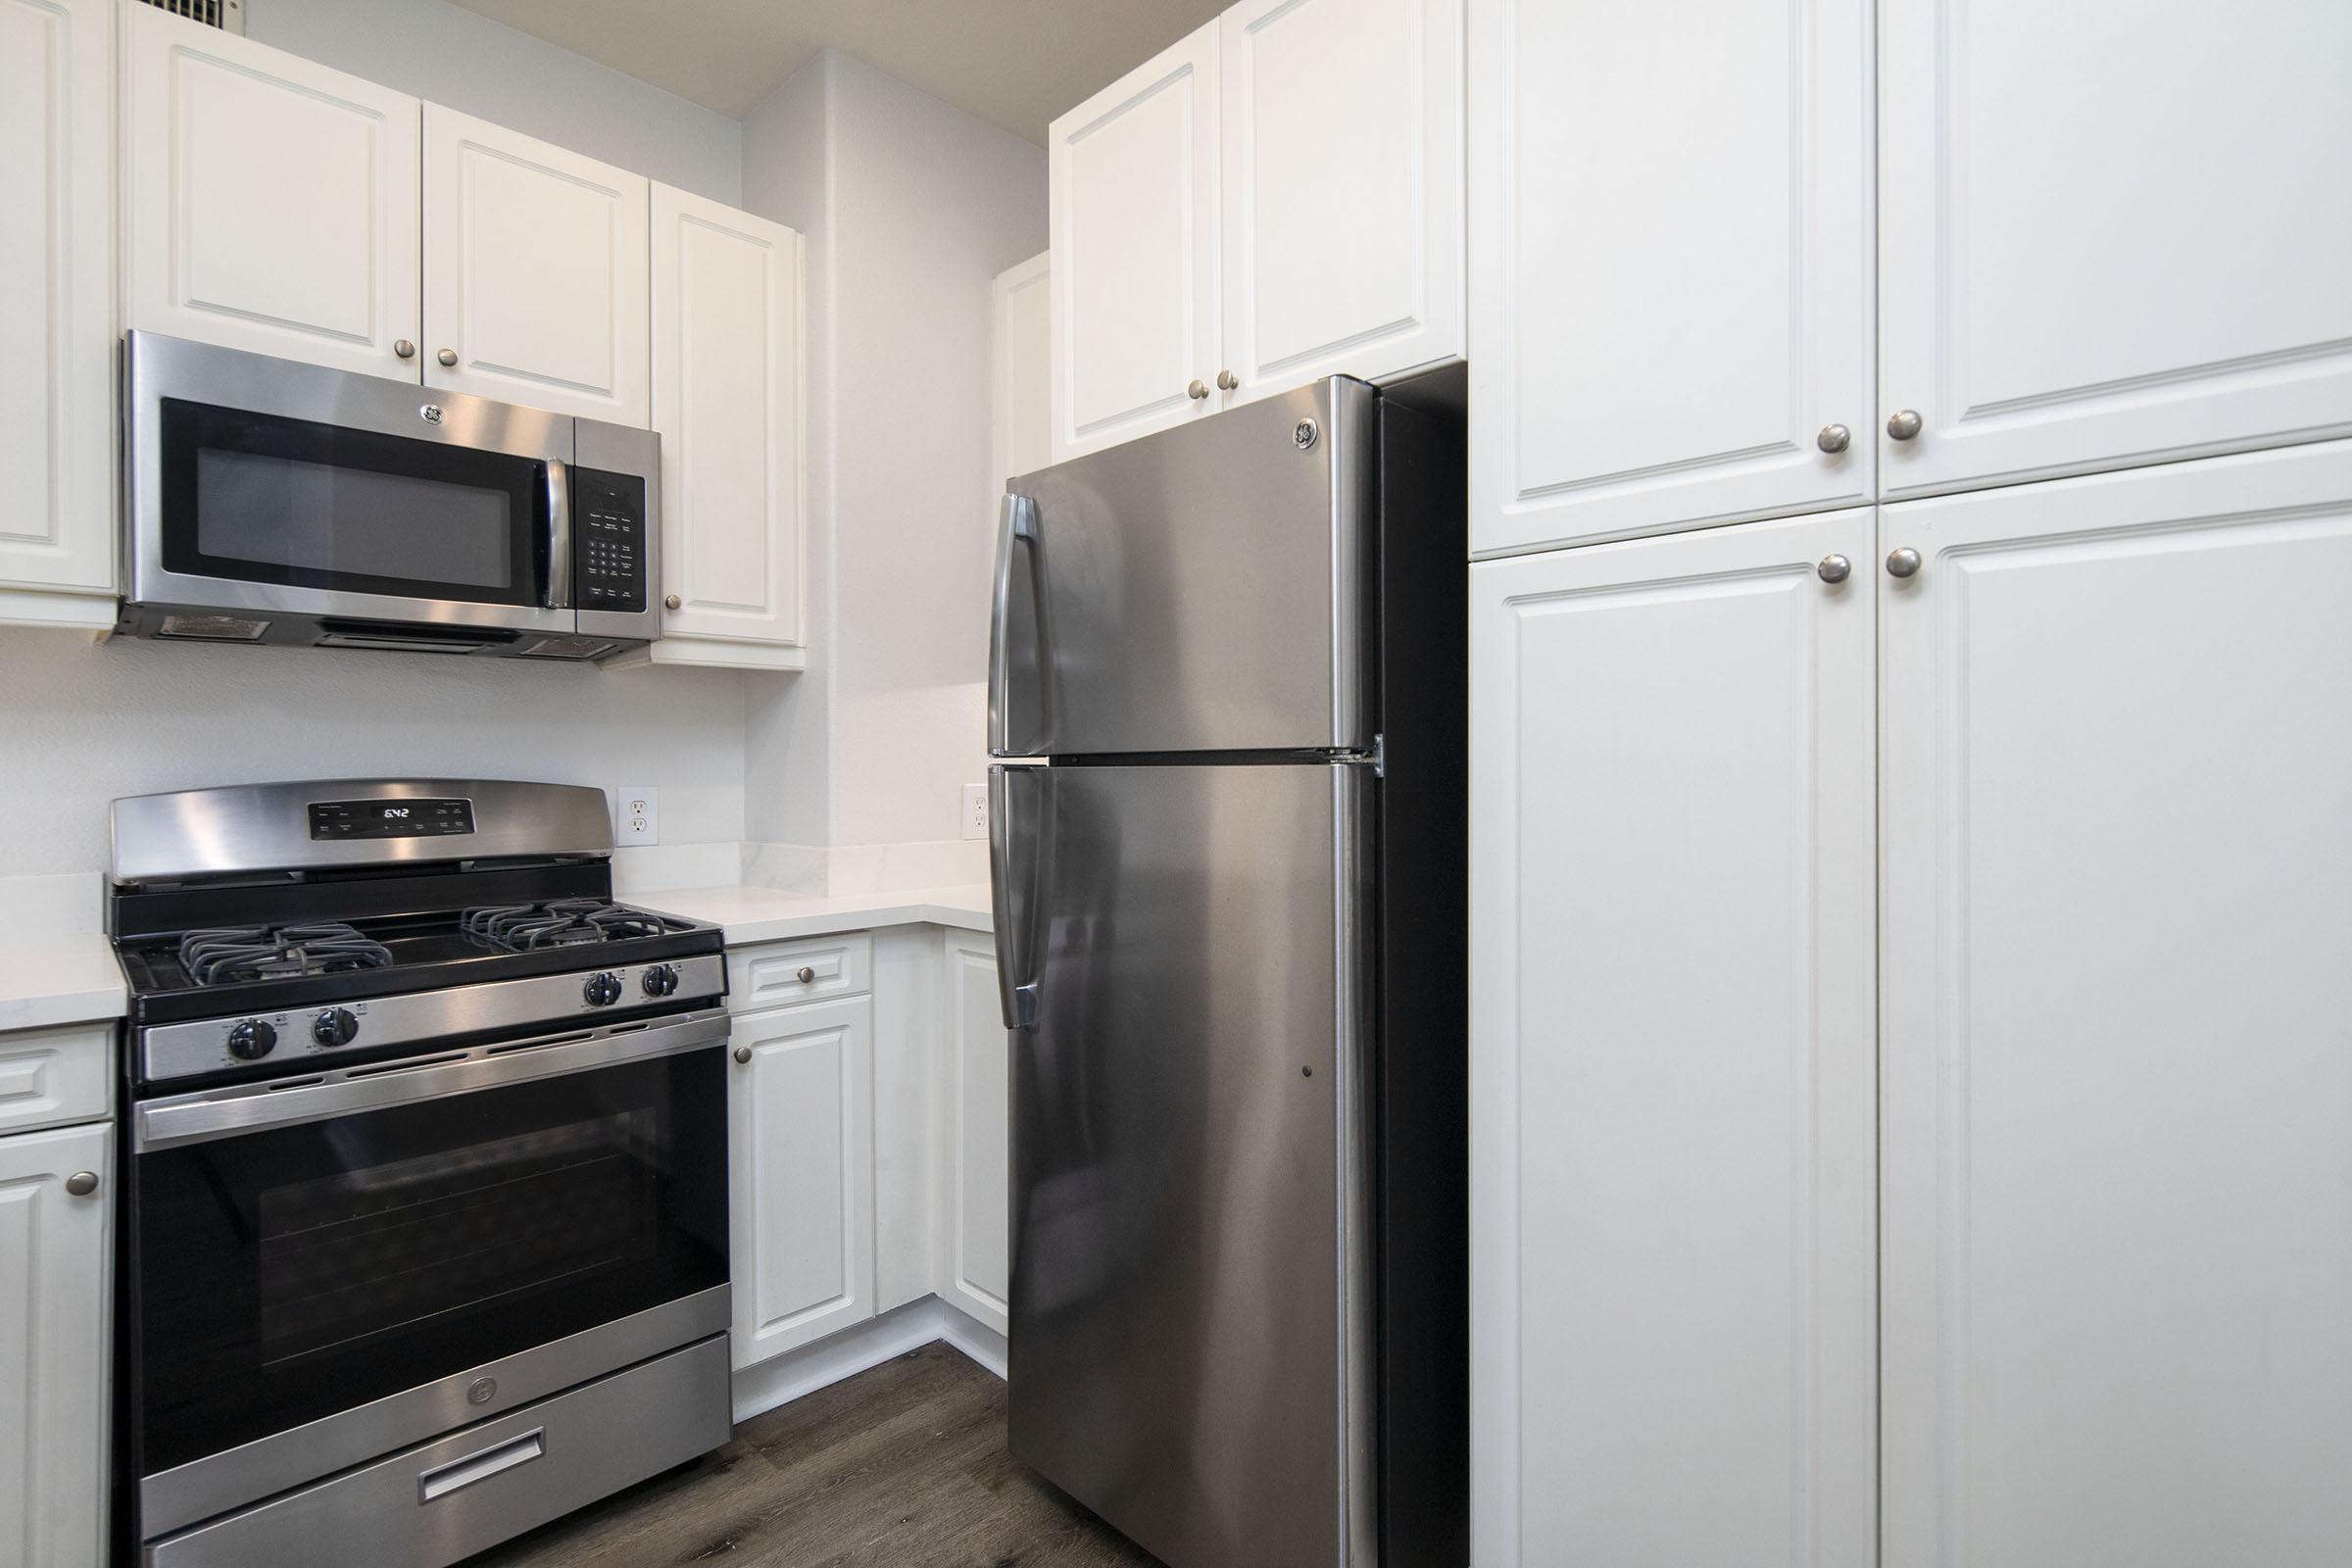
975,810
638,817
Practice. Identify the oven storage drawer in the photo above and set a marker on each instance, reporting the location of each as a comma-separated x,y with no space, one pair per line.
444,1501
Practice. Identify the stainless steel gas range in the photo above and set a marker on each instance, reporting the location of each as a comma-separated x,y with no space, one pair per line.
426,1240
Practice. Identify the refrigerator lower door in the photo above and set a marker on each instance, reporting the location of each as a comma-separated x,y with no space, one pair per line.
1205,589
1185,954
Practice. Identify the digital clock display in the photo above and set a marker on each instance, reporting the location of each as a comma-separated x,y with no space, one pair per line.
390,820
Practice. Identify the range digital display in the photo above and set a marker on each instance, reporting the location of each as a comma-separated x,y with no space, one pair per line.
389,819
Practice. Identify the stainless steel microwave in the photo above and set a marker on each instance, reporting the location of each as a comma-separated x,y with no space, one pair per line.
272,502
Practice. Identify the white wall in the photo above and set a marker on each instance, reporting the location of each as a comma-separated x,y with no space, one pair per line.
911,211
434,50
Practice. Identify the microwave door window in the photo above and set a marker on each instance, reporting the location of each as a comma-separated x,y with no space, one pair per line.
255,498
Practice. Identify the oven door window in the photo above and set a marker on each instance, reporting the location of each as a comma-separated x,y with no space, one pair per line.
256,498
287,1274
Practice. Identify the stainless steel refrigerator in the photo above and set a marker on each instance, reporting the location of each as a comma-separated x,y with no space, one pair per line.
1230,932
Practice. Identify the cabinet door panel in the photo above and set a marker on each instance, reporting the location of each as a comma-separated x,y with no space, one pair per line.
269,204
727,298
1343,189
2118,1085
56,317
2099,243
801,1184
978,1272
1673,1094
54,1349
1133,177
535,271
1021,371
1670,280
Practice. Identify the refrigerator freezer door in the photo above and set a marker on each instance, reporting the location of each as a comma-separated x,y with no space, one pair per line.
1191,1302
1205,589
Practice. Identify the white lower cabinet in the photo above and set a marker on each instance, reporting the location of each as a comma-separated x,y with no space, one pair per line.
976,1271
2117,1067
1673,1099
54,1349
800,1130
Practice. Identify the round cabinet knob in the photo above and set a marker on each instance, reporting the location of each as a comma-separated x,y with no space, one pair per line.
671,601
1903,423
659,981
447,357
806,975
335,1027
82,1183
1227,380
404,349
1902,563
743,1056
1196,391
1835,568
1834,438
601,990
252,1040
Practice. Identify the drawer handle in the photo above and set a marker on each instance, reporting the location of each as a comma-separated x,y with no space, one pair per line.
806,975
743,1056
458,1473
82,1183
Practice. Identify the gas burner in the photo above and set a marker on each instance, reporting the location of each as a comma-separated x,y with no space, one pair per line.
557,923
227,954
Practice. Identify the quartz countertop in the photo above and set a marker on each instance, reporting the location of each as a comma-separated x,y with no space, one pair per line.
46,981
751,915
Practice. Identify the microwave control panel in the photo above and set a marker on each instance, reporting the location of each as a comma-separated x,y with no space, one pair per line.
608,541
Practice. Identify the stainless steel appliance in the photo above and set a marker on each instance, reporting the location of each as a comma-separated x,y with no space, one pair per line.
271,502
1230,928
425,1238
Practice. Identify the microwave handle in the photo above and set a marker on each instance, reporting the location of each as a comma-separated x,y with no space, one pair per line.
558,536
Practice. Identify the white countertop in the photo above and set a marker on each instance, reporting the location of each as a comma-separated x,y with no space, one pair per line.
752,914
46,981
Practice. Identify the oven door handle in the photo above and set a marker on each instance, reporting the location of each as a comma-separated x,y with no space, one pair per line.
209,1115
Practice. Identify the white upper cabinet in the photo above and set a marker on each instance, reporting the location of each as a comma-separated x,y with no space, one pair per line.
269,204
2118,1094
1343,189
56,465
727,291
1020,402
1133,175
1671,273
1672,1076
2111,232
535,261
54,1348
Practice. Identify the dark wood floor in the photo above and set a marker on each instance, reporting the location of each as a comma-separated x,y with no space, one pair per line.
904,1465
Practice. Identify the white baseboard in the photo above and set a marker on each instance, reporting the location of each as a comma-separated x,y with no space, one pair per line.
762,1388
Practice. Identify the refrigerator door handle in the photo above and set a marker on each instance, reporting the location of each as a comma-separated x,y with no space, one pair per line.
1014,859
1016,529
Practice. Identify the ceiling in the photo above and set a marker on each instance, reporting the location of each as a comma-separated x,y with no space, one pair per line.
1015,63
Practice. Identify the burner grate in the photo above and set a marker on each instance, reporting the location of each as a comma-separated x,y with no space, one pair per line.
557,923
227,954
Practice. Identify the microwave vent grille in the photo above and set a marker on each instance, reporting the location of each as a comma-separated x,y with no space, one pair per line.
227,14
212,628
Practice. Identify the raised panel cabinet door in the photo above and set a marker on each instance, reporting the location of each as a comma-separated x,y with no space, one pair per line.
727,383
54,1348
979,1246
2103,239
2117,1062
801,1182
1673,1094
1342,191
1670,279
535,264
269,204
1021,371
56,311
1132,189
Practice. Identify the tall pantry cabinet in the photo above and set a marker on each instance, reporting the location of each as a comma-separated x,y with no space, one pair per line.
1909,872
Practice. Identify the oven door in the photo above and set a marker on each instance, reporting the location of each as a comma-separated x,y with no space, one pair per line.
261,487
325,1269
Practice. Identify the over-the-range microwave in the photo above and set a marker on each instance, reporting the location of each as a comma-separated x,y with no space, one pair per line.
273,501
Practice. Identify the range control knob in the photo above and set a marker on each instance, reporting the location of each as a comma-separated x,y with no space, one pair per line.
660,980
602,990
252,1040
335,1027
